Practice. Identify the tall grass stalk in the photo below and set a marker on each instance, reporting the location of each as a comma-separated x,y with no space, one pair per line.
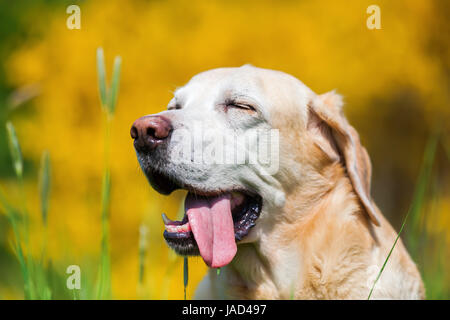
428,242
12,217
447,149
44,192
44,186
108,100
143,246
17,160
33,273
422,185
434,274
185,275
417,202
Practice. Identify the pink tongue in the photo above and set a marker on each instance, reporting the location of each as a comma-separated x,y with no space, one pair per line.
212,225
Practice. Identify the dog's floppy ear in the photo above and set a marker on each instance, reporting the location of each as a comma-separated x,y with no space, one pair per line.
340,141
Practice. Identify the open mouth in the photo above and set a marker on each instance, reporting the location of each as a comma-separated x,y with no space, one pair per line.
212,222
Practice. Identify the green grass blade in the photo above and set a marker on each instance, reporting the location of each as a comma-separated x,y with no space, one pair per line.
185,275
108,98
143,231
17,159
387,258
419,193
106,194
14,149
104,288
113,92
12,217
44,185
423,181
101,77
44,192
447,149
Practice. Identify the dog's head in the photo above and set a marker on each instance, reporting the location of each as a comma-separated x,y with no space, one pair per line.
240,140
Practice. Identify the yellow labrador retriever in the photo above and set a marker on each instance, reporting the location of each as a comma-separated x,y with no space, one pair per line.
278,190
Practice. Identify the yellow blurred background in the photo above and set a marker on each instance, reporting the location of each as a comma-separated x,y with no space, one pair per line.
395,82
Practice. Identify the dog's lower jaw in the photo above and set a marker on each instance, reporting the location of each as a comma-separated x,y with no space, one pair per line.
323,251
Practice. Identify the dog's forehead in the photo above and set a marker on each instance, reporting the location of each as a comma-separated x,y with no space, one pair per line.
279,93
243,79
220,82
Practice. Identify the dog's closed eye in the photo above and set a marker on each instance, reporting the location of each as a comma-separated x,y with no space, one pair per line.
239,106
174,107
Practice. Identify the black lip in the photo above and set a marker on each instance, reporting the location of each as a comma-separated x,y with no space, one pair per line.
165,185
161,183
183,243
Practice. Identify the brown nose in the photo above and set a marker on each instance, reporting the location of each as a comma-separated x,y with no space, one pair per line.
150,131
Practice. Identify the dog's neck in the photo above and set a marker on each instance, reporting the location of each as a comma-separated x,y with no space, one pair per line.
274,266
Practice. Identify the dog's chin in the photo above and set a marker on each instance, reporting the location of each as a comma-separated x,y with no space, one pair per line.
246,207
161,182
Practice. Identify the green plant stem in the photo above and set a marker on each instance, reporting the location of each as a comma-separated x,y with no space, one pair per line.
17,161
17,245
26,226
185,275
143,231
416,205
387,258
104,288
